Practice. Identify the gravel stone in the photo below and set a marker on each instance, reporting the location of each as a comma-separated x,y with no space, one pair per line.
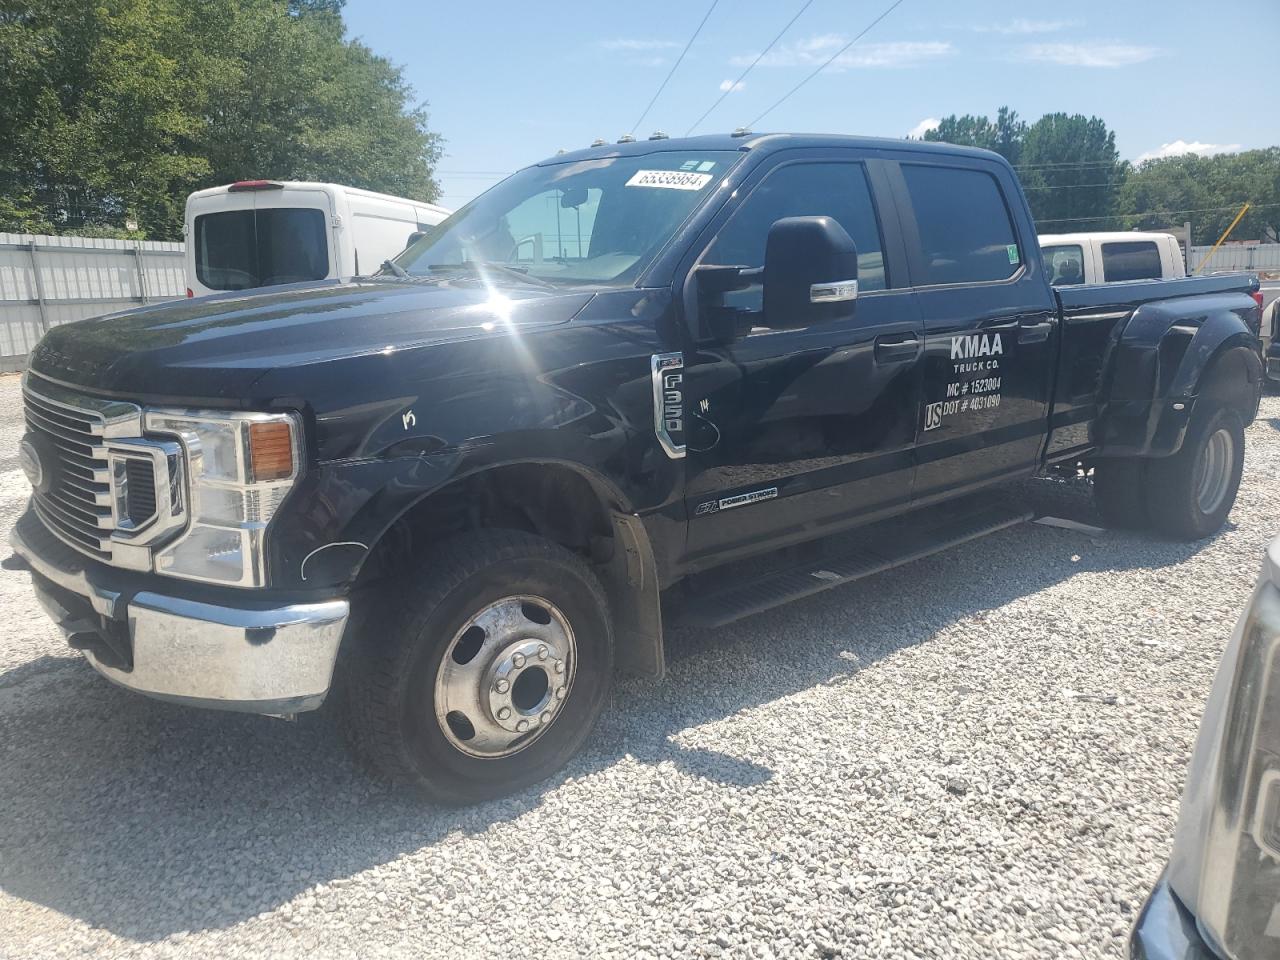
979,755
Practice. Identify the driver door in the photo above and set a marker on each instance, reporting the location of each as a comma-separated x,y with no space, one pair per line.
788,430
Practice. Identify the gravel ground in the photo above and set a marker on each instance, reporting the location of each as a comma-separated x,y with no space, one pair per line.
979,755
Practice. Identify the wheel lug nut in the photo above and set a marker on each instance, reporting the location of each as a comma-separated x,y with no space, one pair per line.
559,666
517,660
546,717
542,653
504,713
522,726
502,686
560,693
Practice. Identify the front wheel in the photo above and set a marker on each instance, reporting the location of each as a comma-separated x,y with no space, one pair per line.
1193,491
485,672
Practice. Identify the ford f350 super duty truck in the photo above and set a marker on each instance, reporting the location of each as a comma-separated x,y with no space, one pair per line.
458,491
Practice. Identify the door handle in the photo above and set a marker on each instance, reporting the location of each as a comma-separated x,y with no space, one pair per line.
897,347
1034,331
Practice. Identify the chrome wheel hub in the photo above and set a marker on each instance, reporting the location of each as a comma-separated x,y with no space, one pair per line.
1213,473
505,676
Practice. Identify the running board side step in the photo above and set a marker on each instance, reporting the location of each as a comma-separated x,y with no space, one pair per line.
880,547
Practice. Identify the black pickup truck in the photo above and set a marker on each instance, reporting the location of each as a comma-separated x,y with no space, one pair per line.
459,491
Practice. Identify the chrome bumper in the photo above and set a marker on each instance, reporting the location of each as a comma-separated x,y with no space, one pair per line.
275,660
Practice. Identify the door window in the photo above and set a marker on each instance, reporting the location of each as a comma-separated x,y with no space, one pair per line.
836,190
1065,262
966,235
1130,260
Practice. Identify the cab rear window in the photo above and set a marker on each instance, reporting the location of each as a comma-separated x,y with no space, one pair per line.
1130,260
242,249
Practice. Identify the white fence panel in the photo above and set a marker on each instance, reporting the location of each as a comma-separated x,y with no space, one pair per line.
1260,258
45,281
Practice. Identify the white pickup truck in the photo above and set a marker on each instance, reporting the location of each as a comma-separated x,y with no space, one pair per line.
1079,258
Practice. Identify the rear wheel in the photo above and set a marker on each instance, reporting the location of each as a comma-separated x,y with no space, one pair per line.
486,672
1193,491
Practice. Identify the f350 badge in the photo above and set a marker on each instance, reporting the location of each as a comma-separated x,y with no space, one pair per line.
668,402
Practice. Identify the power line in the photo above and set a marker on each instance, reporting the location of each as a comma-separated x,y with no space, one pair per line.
1068,163
742,76
1158,213
867,29
675,66
1113,183
1072,186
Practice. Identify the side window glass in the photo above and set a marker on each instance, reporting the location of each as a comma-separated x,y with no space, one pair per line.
1065,263
966,235
1130,260
836,190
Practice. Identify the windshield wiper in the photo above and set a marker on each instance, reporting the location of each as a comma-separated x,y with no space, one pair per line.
395,268
478,266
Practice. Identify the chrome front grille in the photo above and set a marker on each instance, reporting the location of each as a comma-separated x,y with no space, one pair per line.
76,504
103,488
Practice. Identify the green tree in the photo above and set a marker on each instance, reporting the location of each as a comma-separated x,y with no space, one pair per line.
1208,191
1068,165
1071,171
115,111
1004,135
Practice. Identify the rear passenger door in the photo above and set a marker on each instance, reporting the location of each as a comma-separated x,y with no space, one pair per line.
989,321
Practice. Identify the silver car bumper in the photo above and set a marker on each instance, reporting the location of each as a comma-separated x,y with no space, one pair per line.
273,660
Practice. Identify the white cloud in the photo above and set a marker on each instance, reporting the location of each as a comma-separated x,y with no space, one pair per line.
923,127
1088,54
732,86
1178,147
1023,26
636,44
814,50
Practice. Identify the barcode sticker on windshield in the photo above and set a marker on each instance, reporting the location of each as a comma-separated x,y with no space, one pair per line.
669,179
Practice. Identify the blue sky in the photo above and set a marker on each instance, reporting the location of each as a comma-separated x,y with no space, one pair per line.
509,83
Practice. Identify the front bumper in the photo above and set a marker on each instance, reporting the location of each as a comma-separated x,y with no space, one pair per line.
1166,930
247,655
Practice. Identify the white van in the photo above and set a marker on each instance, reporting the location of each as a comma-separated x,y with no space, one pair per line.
258,233
1072,258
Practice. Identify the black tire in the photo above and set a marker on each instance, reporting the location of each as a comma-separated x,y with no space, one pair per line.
1119,493
1176,504
391,687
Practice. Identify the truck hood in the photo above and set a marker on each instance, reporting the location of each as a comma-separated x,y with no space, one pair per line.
218,347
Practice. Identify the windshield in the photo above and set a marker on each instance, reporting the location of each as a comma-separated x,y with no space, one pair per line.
596,222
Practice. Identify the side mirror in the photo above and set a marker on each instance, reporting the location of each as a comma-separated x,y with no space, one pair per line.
721,322
810,272
414,238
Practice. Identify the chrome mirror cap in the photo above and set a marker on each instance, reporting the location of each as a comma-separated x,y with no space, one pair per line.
837,291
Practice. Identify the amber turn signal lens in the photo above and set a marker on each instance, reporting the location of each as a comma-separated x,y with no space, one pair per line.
270,451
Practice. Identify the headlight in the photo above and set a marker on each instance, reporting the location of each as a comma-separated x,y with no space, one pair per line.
240,467
1225,865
